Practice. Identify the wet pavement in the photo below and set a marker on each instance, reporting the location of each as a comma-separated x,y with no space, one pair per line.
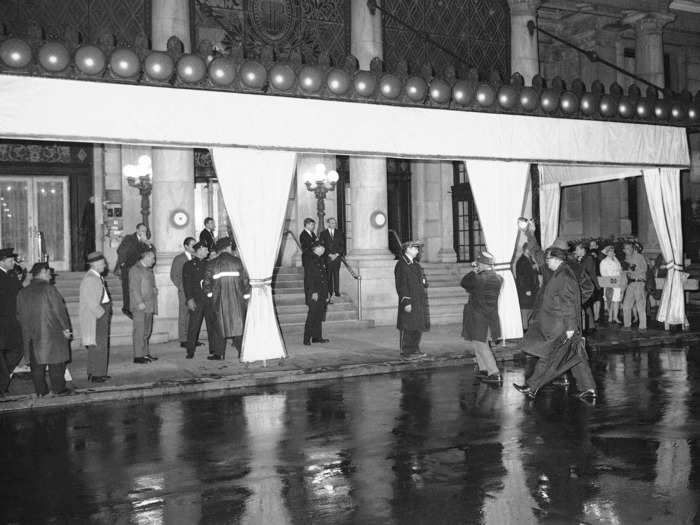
407,448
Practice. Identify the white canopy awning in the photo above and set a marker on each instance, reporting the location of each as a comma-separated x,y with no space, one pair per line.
100,112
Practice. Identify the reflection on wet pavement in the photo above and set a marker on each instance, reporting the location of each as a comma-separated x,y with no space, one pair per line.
421,447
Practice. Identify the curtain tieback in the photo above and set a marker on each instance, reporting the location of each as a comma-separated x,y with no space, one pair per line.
502,266
261,283
673,265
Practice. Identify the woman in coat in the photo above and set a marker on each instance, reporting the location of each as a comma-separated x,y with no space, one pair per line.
527,282
413,317
46,329
481,315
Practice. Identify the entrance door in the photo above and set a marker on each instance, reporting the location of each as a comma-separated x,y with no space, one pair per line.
36,209
398,185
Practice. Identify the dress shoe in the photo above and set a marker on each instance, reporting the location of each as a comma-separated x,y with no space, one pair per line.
64,392
307,342
337,295
189,355
141,360
127,313
183,344
98,379
330,301
199,344
561,381
494,379
319,340
215,357
524,389
417,355
151,357
586,394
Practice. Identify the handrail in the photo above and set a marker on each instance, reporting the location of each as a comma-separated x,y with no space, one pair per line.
355,275
290,232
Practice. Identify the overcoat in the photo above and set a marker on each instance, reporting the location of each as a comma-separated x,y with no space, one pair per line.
481,312
43,317
226,284
410,286
90,306
315,277
142,288
10,331
526,280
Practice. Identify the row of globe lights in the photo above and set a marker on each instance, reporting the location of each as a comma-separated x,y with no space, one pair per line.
91,61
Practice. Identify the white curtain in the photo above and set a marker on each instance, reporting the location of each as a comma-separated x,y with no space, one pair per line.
663,187
550,198
499,193
255,187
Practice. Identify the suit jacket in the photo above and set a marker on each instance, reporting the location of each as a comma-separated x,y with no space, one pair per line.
561,304
306,240
315,277
10,285
176,270
90,307
142,289
207,238
129,251
43,317
410,286
192,279
335,244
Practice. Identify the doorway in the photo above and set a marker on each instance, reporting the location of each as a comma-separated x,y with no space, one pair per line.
35,218
398,185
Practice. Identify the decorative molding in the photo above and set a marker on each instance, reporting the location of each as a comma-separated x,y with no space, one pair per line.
26,152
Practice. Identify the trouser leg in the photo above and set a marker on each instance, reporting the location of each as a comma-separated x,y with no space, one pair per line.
9,359
410,341
38,374
147,330
316,318
641,302
98,354
486,355
477,355
237,341
217,342
627,303
525,317
125,288
183,316
57,375
139,329
193,328
334,277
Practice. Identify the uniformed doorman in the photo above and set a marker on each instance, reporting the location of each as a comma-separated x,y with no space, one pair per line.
316,291
413,317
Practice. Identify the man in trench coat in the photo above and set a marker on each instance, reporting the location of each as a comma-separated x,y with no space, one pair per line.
481,315
95,310
227,287
413,316
316,291
46,330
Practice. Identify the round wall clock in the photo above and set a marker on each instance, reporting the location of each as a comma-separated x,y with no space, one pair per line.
179,218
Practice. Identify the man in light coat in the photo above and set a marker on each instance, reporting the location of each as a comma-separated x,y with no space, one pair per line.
183,313
46,330
144,303
94,313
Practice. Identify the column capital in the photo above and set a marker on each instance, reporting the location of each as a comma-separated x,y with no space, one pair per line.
646,23
524,7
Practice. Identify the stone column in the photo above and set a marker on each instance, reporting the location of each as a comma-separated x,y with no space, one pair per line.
368,194
173,175
524,57
649,49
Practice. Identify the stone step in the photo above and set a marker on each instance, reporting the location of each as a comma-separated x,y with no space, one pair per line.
328,326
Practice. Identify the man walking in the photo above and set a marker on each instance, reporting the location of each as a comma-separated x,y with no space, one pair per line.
481,315
413,317
635,294
183,314
206,237
316,291
144,301
46,330
128,254
228,289
95,310
197,303
333,240
10,332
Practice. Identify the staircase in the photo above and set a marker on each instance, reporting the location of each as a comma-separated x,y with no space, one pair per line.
445,295
288,295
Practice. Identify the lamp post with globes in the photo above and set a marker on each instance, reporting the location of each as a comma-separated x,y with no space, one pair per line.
320,182
139,176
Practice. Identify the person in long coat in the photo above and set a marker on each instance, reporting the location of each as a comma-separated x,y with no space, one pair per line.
46,330
413,316
183,313
95,310
527,283
144,302
316,292
481,315
128,254
11,349
227,286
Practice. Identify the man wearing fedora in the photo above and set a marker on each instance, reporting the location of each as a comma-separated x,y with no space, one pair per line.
10,332
95,310
413,317
481,315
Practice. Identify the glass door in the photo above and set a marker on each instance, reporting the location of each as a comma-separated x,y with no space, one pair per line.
34,219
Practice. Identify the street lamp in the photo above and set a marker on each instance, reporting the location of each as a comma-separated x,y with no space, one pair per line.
320,182
139,176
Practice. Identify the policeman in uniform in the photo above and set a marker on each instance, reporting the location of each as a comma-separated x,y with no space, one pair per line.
316,291
413,317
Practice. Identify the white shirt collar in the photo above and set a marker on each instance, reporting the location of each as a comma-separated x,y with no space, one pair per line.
95,272
188,255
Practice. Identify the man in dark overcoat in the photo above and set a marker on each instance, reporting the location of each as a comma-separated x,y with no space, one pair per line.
316,291
128,254
527,283
206,236
307,238
555,323
183,314
413,317
227,286
10,332
481,315
333,240
584,267
45,331
198,304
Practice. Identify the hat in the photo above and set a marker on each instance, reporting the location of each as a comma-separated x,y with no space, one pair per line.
198,245
561,244
95,256
7,252
607,249
408,244
485,258
223,243
555,251
38,267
